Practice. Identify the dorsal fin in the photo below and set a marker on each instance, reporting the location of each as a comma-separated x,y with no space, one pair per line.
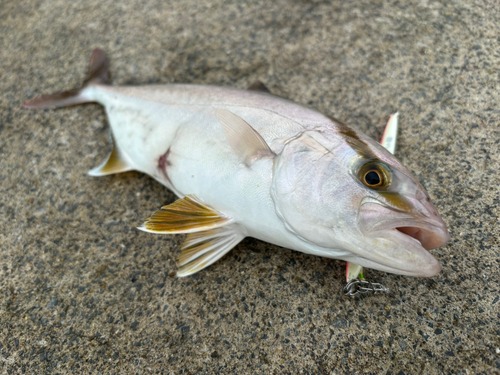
186,215
257,85
115,163
245,141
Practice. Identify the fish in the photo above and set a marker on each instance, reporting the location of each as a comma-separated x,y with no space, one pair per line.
246,163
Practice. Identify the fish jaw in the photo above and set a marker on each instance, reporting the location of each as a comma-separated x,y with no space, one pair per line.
402,238
431,269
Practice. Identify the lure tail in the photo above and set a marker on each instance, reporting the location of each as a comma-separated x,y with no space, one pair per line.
97,73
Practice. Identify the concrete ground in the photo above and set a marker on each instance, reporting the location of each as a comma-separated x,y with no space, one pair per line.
82,291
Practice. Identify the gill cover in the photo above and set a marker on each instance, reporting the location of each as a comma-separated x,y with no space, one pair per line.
302,179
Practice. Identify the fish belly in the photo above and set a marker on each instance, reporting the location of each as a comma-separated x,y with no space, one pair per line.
184,147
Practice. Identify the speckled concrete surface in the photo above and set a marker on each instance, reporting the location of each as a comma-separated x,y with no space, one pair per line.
82,291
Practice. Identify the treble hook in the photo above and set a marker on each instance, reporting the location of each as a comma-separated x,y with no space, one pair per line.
361,286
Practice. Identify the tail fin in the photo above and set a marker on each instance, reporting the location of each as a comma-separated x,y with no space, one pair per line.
97,73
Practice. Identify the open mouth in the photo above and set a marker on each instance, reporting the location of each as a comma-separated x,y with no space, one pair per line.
428,239
411,231
410,255
429,232
401,240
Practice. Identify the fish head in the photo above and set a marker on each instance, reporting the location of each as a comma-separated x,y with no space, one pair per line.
347,197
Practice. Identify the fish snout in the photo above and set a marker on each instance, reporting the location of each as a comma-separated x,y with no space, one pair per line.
433,233
422,223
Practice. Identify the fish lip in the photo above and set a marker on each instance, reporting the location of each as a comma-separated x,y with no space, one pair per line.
427,266
432,268
430,232
427,234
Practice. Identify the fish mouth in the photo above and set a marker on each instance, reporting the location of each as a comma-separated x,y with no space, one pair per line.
402,239
430,235
428,239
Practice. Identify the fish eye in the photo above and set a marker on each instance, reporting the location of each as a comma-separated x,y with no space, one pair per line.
372,178
374,175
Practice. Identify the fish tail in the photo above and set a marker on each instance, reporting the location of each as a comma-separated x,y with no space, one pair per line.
97,74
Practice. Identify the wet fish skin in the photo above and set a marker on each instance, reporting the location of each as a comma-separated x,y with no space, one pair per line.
247,163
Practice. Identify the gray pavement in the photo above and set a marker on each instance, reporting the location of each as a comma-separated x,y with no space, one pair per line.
82,291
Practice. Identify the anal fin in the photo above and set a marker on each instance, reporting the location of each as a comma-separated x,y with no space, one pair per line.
201,249
186,215
115,163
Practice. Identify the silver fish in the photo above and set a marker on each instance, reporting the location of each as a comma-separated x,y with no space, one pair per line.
247,163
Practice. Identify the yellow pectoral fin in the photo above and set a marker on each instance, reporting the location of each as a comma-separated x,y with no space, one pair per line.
201,249
186,215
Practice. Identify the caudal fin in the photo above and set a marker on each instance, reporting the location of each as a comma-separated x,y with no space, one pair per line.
97,73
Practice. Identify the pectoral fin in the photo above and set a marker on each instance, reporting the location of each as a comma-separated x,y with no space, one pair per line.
244,140
201,249
186,215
